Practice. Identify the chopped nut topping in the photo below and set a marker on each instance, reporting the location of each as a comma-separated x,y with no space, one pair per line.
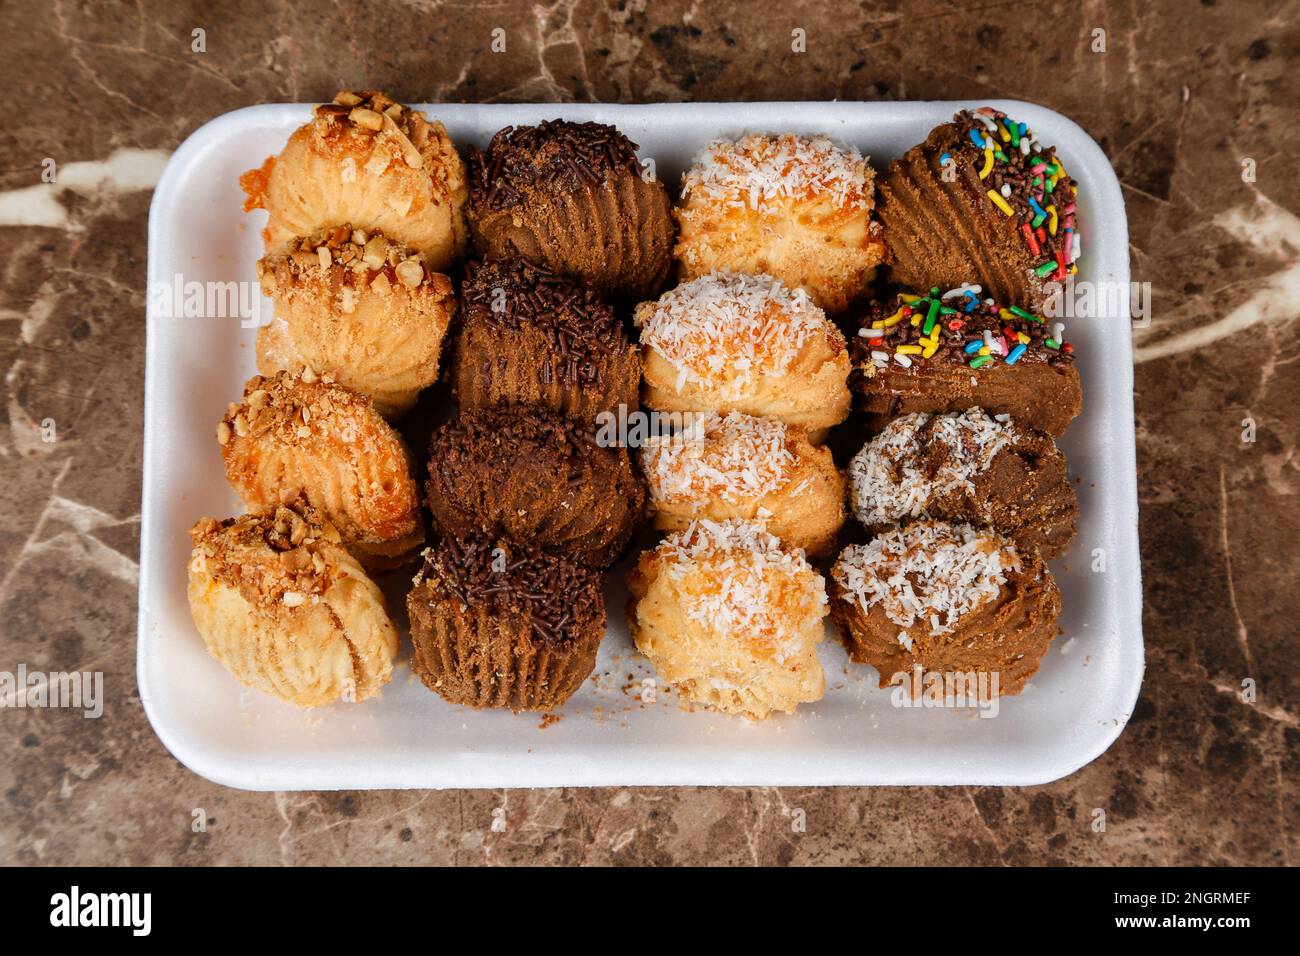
411,272
367,118
376,249
234,552
296,559
360,253
410,155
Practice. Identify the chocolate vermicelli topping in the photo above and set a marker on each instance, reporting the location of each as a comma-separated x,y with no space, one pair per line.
558,596
519,293
553,154
484,434
958,332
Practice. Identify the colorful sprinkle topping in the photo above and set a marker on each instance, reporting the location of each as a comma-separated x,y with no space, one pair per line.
1026,182
986,333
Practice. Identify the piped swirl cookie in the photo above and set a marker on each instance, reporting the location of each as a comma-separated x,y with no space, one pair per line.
945,598
298,435
496,623
530,336
971,468
367,160
363,309
797,208
536,476
948,351
734,342
573,196
731,618
739,466
284,607
982,200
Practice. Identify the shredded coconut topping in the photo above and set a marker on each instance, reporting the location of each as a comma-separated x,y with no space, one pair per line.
764,172
907,466
736,579
734,457
726,328
930,572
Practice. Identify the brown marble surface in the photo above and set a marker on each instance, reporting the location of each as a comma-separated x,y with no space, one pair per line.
1183,94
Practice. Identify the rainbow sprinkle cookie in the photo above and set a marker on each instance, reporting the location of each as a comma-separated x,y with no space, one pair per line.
1027,183
981,200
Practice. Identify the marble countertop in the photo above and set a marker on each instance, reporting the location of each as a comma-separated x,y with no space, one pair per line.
1194,104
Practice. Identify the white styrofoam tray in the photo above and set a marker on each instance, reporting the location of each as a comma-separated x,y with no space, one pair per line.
1073,709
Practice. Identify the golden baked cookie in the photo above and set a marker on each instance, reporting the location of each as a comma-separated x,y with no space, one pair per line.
739,466
735,342
299,435
730,618
365,310
287,610
367,160
934,597
793,207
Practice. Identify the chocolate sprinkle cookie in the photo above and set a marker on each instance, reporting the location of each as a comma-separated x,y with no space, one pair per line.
538,477
518,293
555,154
572,195
496,623
531,336
559,597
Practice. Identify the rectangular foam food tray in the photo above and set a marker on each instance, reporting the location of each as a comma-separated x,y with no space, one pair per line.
608,735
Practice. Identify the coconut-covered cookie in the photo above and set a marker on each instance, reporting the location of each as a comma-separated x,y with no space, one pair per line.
731,618
945,598
966,467
734,342
739,466
794,207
